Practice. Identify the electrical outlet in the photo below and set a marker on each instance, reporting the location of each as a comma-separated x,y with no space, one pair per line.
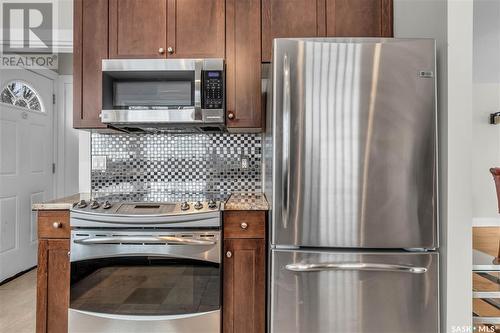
245,163
99,162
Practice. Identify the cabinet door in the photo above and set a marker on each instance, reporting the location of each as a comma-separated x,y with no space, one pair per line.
359,18
52,286
290,18
195,29
137,29
90,46
244,286
243,64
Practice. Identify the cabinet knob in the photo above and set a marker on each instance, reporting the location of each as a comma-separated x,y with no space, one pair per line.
170,50
244,225
229,254
57,225
230,115
161,50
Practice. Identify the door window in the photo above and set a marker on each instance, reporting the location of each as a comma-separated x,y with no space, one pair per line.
145,286
20,94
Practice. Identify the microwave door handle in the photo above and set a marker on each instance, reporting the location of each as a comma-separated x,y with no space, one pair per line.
198,66
285,180
354,266
142,239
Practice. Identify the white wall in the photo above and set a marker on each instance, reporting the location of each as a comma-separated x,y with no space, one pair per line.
450,23
458,231
84,157
67,158
486,99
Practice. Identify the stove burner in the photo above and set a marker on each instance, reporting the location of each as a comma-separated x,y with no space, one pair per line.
107,205
198,205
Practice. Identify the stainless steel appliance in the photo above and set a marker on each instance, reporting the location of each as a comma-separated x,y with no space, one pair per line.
350,164
145,267
171,94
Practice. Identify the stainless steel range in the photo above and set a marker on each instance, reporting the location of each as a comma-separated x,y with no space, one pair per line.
145,266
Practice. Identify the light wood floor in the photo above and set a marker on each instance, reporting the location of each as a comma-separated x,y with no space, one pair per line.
17,304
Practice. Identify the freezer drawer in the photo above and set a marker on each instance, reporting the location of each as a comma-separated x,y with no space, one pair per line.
375,292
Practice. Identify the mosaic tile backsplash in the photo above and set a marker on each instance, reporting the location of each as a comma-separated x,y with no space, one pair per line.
210,165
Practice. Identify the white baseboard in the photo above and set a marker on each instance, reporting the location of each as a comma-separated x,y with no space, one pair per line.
486,222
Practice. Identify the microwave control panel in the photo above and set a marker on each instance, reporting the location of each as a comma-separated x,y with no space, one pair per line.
213,90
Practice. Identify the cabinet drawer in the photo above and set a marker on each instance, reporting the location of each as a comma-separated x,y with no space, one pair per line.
243,224
53,224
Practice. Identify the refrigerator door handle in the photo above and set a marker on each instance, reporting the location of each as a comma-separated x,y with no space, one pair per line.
285,181
354,266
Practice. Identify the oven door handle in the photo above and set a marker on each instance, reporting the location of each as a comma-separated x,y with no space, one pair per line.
143,239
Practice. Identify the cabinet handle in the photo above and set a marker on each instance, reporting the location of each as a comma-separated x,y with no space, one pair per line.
170,50
229,254
244,225
161,50
57,225
230,115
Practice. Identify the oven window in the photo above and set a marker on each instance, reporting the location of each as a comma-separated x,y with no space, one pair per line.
152,94
144,286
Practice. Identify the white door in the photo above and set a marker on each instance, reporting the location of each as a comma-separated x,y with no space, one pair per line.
26,157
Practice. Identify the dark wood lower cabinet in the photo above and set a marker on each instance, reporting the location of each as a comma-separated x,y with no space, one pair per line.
53,286
244,301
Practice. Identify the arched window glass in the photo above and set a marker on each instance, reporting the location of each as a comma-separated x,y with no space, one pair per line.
20,94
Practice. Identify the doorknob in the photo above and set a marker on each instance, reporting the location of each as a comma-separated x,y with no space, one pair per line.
170,50
229,254
161,50
230,115
57,225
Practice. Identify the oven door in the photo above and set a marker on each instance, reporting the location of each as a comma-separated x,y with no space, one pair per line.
126,281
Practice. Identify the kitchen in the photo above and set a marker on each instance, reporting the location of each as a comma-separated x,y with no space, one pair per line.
221,197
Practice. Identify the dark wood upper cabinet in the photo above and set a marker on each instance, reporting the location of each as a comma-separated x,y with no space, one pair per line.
137,29
240,31
243,64
90,46
319,18
359,18
290,18
195,29
166,29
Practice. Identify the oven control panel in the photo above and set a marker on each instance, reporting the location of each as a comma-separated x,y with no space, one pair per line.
213,90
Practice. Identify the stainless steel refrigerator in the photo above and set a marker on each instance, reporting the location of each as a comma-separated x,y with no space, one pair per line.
350,172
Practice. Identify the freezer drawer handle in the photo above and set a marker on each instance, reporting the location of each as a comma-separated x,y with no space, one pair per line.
348,266
143,239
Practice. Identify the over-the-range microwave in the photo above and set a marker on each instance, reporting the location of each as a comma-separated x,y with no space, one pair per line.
177,95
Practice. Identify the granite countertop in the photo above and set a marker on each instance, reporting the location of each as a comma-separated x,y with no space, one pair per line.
246,201
61,203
